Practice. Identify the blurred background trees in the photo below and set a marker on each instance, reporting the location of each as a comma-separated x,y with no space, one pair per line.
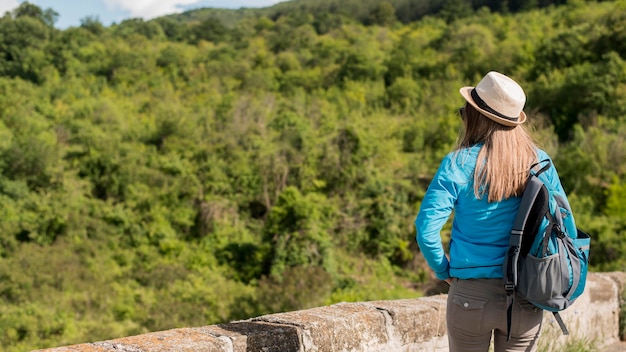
221,164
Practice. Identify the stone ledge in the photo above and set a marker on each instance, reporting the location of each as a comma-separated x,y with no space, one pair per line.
594,317
399,325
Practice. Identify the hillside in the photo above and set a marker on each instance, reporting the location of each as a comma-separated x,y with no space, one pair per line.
170,173
365,11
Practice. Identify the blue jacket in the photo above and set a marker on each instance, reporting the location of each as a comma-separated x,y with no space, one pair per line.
480,230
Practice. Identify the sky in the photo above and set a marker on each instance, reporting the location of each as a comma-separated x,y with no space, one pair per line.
115,11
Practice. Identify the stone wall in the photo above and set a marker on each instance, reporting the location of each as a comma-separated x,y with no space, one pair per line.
400,325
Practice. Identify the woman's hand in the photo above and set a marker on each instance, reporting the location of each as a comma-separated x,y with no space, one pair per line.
448,280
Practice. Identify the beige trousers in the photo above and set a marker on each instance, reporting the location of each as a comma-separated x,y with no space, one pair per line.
477,312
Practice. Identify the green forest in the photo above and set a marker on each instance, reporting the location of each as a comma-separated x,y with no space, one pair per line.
217,165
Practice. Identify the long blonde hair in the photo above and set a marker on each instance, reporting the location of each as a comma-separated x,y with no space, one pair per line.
503,161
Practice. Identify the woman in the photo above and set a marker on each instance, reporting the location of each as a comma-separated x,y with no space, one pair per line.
482,181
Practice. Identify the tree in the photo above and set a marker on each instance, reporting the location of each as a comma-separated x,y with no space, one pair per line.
23,41
298,229
456,9
210,29
26,9
384,14
174,30
92,24
150,30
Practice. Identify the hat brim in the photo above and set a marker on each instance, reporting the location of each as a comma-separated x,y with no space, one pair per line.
466,92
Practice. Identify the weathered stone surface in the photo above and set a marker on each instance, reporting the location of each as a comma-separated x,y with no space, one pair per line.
593,318
264,337
394,326
620,278
416,324
187,340
340,327
238,340
77,348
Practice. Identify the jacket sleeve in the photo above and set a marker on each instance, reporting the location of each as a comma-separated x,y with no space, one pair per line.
435,210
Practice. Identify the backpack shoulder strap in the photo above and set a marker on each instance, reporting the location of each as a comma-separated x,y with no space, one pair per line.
531,190
545,165
533,187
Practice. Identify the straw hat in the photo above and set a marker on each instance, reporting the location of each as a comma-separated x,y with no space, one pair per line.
499,98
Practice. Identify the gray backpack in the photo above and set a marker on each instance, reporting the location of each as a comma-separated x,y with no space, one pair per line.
547,260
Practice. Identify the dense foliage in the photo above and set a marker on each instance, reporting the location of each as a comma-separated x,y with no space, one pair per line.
168,173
